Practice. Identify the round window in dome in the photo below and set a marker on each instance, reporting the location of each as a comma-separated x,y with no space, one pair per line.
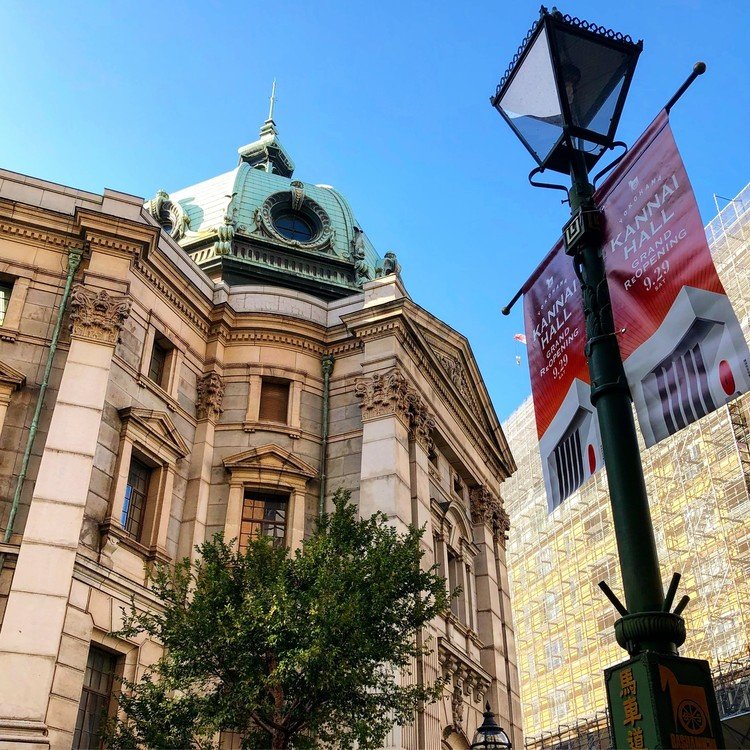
294,226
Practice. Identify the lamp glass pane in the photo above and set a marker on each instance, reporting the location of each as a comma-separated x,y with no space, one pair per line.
531,102
592,75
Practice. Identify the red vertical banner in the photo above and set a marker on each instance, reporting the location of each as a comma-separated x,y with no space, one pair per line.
566,422
683,350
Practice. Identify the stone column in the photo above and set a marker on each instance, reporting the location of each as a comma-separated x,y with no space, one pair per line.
193,529
36,609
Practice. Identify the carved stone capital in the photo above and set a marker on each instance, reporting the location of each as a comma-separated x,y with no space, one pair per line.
97,315
487,509
210,396
384,395
421,422
390,394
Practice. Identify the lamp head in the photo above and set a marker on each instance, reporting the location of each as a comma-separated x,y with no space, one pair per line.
565,89
490,736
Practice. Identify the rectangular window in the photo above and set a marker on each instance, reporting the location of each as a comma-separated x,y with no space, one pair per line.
136,492
5,292
95,699
274,401
159,365
455,580
263,514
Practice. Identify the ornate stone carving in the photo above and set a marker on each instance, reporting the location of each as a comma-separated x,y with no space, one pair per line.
486,508
361,269
297,189
457,375
386,394
97,315
466,677
457,708
421,422
391,264
166,211
391,394
224,237
210,396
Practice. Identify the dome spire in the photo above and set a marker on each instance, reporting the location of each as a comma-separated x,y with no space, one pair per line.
269,126
267,152
273,101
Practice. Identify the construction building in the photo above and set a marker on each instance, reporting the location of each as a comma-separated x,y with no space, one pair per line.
698,483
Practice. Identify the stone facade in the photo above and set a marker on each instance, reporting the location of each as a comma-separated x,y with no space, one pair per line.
411,432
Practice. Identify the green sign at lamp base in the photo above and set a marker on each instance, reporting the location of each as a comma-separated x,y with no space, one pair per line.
660,701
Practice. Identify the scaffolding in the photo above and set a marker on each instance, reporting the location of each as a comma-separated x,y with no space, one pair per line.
732,684
698,483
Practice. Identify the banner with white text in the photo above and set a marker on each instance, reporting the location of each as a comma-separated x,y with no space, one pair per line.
682,347
566,422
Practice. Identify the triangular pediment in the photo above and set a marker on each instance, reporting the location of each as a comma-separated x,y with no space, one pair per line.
270,458
159,426
452,355
10,376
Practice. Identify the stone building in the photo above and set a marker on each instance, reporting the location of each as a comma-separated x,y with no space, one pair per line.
228,356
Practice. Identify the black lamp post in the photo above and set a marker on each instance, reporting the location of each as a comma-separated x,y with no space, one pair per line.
490,736
563,95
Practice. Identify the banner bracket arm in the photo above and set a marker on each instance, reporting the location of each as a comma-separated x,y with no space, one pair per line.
506,310
698,69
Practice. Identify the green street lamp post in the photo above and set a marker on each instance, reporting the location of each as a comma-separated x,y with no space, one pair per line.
563,95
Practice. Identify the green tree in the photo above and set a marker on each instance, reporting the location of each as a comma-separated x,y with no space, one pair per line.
288,650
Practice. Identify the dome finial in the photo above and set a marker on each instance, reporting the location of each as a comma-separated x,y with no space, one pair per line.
269,126
273,101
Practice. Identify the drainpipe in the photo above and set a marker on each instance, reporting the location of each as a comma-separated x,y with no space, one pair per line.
74,260
327,369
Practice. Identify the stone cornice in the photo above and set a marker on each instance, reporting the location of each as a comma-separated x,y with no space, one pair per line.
116,233
96,315
33,225
11,378
487,509
177,300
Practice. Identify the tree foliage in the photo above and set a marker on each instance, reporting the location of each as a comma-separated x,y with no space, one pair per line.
288,650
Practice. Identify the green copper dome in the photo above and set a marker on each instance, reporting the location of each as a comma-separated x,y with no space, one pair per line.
255,224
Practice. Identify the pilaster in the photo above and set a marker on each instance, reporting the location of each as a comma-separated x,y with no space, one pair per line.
36,608
491,525
208,411
385,483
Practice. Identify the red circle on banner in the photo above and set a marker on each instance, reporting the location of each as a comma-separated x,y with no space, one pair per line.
592,459
726,378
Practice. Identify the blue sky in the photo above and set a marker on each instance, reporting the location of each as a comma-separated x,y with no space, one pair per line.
386,101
